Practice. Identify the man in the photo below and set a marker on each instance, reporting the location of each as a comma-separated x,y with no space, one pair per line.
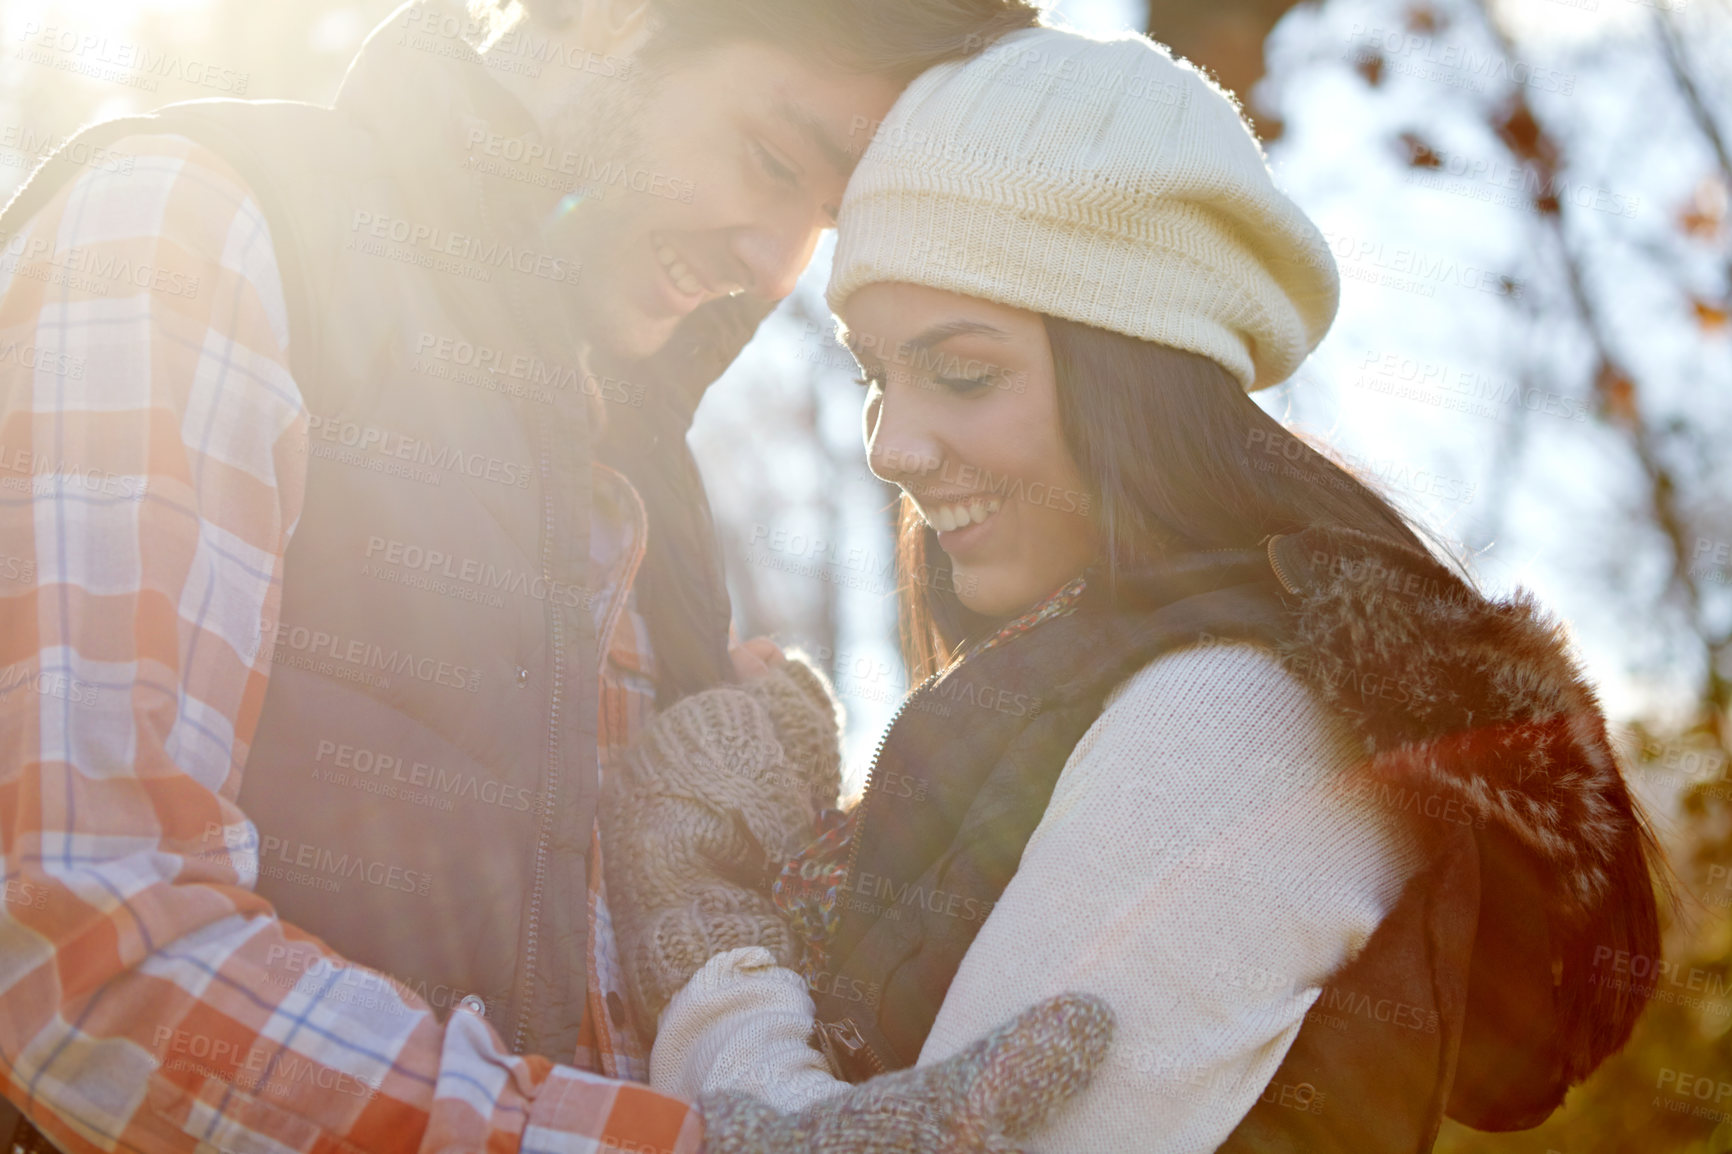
324,611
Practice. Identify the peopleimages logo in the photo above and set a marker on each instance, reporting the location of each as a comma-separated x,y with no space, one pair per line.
1458,65
436,248
1405,267
29,356
372,771
103,57
1064,73
469,571
91,271
335,982
884,895
530,161
261,1067
33,144
523,49
978,481
519,374
308,863
433,457
353,659
56,683
282,856
1445,386
39,473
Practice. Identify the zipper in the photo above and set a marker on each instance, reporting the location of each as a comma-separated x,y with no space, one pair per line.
531,936
532,933
1281,574
846,1033
871,772
624,575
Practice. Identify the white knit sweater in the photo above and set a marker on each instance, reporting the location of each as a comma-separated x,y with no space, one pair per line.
1194,867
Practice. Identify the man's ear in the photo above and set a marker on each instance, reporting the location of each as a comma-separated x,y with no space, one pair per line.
605,27
628,19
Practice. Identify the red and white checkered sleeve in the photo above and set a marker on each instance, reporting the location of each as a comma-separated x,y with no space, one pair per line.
152,464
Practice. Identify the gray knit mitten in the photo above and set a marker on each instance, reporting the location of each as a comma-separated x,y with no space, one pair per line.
707,804
986,1098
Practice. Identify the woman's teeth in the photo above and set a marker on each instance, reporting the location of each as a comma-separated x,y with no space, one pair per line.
944,518
678,272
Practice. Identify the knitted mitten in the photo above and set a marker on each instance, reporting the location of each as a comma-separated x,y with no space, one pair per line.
707,804
802,707
983,1099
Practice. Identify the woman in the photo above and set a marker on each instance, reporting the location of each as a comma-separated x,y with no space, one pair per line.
1207,731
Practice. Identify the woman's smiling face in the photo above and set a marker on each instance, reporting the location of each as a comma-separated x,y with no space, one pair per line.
962,413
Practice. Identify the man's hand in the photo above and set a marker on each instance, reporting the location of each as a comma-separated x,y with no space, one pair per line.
997,1091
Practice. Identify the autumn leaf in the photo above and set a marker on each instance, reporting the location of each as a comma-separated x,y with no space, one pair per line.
1369,64
1424,19
1419,153
1522,133
1709,316
1699,224
1617,393
1705,214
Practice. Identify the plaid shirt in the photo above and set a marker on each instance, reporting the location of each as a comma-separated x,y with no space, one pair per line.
152,464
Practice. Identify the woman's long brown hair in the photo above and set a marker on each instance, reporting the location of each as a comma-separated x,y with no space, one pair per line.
1176,458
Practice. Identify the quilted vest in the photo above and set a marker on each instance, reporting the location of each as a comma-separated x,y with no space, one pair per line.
952,800
423,776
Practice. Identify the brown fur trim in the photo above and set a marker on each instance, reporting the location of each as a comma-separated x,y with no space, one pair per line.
1455,694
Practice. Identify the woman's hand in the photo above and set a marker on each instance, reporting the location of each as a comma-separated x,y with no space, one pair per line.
997,1091
721,788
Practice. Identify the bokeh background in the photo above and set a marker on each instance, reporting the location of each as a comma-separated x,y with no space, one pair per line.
1528,201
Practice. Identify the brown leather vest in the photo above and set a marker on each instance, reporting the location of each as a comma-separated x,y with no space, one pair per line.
423,776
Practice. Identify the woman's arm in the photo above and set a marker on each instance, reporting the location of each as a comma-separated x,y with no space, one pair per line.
709,791
1195,867
1198,869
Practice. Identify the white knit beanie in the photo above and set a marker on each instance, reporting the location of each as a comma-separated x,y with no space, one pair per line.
1096,180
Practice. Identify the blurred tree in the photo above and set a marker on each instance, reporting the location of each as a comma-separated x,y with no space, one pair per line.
780,482
1226,37
1623,311
1647,1097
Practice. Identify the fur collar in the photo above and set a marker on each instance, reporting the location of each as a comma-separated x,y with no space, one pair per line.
1478,700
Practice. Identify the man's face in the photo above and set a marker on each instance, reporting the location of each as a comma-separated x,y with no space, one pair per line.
717,171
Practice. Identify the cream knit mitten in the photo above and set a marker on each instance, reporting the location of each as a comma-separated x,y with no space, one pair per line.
721,788
983,1099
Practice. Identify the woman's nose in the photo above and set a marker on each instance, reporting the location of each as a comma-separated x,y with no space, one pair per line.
900,447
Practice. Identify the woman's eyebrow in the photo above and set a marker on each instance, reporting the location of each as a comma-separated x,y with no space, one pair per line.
940,333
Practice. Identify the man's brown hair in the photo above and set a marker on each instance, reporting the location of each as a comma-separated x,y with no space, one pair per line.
897,39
